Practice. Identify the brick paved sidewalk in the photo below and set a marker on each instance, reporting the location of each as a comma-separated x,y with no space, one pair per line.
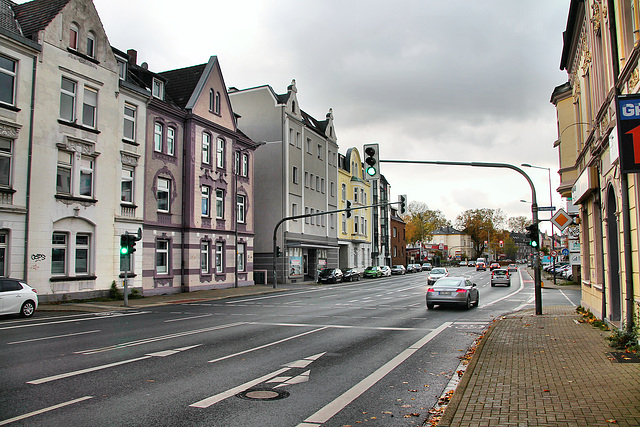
545,370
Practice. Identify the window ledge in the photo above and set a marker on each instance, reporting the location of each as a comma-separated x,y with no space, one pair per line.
9,107
72,278
4,190
77,126
83,56
128,205
129,275
130,142
76,199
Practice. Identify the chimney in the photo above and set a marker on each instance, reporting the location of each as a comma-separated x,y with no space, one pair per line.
133,56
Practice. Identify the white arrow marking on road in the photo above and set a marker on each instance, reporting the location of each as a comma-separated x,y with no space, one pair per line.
205,403
109,365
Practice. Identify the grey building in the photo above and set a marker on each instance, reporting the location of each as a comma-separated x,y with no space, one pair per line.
296,173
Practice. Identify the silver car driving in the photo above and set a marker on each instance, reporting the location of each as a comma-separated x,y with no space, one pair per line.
453,290
436,273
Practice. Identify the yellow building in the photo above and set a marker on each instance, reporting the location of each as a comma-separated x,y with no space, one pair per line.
600,54
354,232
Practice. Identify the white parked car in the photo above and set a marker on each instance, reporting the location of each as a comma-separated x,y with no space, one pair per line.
386,271
16,297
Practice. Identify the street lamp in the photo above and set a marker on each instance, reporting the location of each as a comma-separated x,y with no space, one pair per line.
553,236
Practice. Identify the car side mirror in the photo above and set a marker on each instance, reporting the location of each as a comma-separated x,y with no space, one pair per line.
473,285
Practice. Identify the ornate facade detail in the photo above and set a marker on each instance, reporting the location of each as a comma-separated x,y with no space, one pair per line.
129,159
595,18
7,131
79,146
634,79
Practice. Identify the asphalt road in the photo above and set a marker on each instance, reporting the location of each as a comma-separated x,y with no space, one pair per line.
333,355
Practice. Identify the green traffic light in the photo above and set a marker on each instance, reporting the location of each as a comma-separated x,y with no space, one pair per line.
124,250
371,171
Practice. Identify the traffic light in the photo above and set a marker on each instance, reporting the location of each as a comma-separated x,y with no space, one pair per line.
371,162
278,252
403,203
348,209
132,243
533,235
124,244
502,243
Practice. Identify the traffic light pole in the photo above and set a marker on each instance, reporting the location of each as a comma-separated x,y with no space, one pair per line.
289,218
534,208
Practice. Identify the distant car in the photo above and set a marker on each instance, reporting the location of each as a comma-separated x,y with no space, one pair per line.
410,268
417,268
453,290
471,264
436,273
330,275
16,297
463,263
500,276
494,265
426,266
386,271
398,269
512,267
481,266
372,271
351,275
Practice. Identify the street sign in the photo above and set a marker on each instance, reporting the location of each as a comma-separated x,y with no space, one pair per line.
554,254
546,208
565,252
574,259
561,219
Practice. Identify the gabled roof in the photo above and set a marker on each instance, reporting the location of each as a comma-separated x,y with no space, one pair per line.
181,83
447,230
318,126
7,20
35,15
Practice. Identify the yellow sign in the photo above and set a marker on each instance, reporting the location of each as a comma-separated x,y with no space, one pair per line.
561,219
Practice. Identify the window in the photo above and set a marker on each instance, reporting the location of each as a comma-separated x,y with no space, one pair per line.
5,162
355,225
242,257
86,176
291,141
245,165
306,179
206,148
63,174
298,140
67,99
306,212
205,250
59,253
73,37
294,175
158,89
344,192
129,129
294,209
8,68
355,195
311,181
211,100
216,108
3,253
82,253
309,145
322,185
219,203
333,189
320,151
312,218
162,256
126,192
219,258
206,200
122,69
317,183
157,137
91,44
240,208
344,223
220,153
171,141
163,194
89,107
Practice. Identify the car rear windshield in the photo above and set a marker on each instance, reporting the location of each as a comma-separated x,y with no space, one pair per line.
500,272
438,271
447,283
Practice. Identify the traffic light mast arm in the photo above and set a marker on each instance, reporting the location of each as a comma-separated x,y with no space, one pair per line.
534,205
289,218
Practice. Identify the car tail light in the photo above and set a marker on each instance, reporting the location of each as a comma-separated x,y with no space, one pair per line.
461,290
430,290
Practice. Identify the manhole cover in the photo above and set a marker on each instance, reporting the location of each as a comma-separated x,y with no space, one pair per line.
622,357
263,394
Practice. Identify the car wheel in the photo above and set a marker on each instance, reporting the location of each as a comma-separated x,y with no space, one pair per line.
467,305
430,306
27,309
493,285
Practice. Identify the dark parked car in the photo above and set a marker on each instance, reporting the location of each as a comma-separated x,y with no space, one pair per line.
350,275
330,275
453,290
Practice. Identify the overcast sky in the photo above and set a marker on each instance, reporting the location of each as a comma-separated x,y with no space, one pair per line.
454,80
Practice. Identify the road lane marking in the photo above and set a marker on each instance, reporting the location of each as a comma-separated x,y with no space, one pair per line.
267,345
375,328
111,365
42,411
69,321
159,338
187,318
565,295
54,337
324,414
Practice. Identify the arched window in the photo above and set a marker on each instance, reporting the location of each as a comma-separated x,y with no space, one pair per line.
73,36
91,44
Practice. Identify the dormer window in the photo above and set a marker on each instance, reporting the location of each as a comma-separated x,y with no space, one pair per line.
158,89
73,37
91,45
122,69
214,101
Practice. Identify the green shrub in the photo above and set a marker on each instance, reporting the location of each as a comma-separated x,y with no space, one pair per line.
114,292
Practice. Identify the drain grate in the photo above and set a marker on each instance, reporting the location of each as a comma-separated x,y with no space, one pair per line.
622,357
263,394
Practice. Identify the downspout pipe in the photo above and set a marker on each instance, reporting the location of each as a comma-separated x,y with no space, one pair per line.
29,164
624,184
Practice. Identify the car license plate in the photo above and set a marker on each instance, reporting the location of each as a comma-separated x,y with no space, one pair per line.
445,293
